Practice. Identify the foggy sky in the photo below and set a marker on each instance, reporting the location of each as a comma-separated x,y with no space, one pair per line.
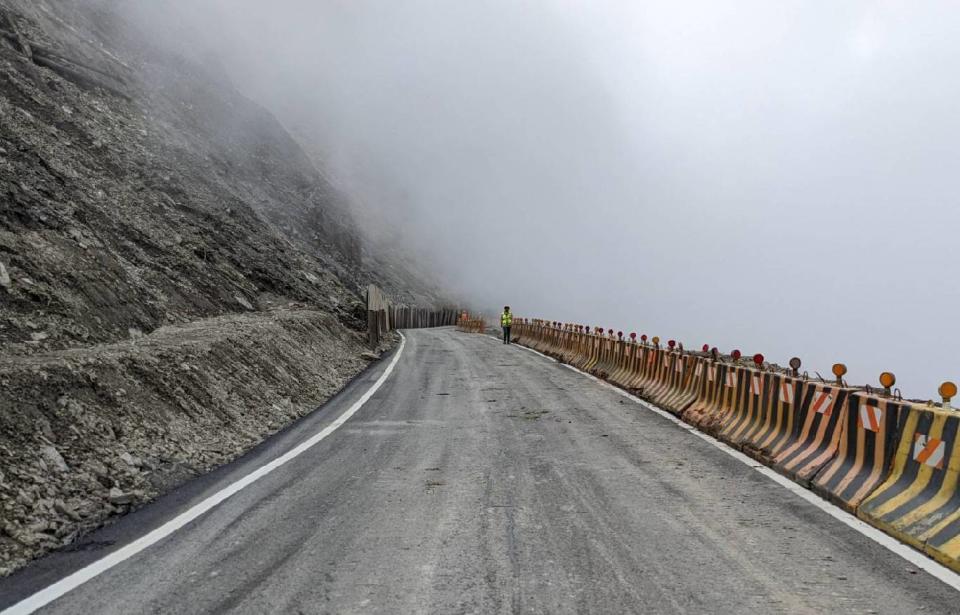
778,177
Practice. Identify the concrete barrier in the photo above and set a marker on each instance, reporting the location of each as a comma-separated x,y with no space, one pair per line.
595,349
815,438
638,366
707,401
732,382
623,350
649,368
773,427
678,399
869,427
604,365
919,502
587,346
895,464
745,410
669,378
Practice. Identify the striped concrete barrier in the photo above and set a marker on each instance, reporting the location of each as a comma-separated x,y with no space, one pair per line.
650,361
869,427
816,435
671,379
554,343
615,355
594,345
735,425
623,374
578,345
896,464
543,339
570,344
773,427
732,385
665,376
707,401
636,366
603,366
589,345
919,502
659,375
685,393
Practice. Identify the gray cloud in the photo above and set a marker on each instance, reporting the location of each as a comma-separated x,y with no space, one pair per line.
776,177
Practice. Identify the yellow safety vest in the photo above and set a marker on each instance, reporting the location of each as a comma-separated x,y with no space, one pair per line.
506,319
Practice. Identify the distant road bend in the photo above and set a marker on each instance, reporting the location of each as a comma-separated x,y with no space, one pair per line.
481,478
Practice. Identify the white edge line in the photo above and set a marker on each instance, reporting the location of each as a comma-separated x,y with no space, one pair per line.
905,551
78,578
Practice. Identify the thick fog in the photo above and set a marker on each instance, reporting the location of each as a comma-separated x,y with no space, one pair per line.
778,177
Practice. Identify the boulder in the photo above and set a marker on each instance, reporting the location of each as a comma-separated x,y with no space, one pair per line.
119,497
53,459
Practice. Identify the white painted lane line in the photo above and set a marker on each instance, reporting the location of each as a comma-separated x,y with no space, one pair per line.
78,578
908,553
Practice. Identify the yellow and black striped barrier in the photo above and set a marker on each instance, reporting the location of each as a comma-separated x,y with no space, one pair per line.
918,502
870,425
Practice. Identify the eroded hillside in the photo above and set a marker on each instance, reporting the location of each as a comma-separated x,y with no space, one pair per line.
177,279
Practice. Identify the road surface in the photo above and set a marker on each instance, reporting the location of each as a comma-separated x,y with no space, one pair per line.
484,478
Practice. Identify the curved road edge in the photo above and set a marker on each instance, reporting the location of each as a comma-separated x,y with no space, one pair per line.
32,597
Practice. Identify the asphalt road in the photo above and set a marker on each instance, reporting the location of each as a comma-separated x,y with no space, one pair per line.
483,478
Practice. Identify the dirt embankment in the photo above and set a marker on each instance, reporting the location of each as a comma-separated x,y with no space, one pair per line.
94,432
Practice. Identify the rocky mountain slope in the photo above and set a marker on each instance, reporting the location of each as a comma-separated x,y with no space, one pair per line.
177,279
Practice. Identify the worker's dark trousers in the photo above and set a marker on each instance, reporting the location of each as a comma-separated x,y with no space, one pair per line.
506,335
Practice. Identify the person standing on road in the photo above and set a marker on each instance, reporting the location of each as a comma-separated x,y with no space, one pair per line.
506,320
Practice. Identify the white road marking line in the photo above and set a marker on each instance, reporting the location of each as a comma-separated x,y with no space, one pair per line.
78,578
908,553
